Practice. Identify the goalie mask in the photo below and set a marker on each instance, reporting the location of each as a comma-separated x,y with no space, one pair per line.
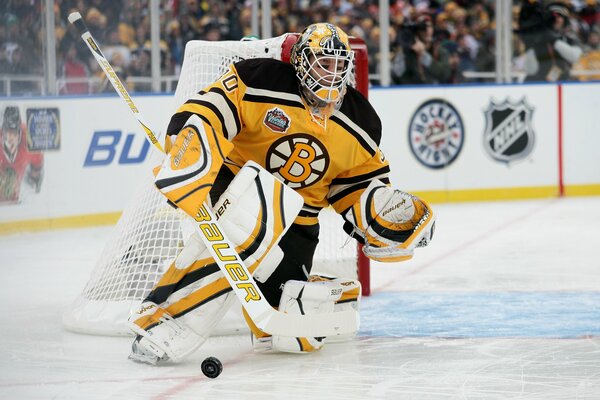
324,66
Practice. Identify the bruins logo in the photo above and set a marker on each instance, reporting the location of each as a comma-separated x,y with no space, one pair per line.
298,160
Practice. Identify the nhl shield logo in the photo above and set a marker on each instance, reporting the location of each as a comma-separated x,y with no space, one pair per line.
276,120
509,134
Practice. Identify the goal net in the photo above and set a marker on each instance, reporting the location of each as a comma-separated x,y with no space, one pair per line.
150,233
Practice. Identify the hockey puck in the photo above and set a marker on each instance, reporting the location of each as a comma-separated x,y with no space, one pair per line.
212,367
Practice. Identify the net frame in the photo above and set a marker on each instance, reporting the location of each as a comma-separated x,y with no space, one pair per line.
149,234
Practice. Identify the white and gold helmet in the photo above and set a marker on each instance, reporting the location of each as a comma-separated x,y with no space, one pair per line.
324,64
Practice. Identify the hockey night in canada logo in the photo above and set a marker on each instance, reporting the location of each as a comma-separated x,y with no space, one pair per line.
277,121
509,134
436,133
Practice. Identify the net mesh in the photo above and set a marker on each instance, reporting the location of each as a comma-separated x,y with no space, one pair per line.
149,235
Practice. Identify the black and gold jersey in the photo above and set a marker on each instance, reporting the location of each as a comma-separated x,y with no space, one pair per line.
257,105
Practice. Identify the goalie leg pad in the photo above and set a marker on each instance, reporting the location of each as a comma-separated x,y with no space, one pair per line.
192,164
392,223
350,299
300,297
260,209
254,212
166,339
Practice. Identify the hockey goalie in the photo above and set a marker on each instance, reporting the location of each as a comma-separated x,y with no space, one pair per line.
268,145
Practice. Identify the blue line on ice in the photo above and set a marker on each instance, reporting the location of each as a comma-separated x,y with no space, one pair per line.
481,314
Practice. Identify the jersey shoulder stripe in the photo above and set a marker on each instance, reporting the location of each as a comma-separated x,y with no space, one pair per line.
309,211
268,74
232,107
339,192
205,100
270,96
269,81
358,117
342,189
360,178
213,102
346,191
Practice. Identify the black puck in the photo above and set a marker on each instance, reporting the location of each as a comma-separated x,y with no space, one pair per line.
212,367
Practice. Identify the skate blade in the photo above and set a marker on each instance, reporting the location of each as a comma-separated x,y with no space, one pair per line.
144,358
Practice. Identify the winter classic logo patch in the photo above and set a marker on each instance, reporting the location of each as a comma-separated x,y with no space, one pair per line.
276,120
43,129
436,133
508,132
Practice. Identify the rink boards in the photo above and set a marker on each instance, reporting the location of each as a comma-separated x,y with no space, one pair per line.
446,143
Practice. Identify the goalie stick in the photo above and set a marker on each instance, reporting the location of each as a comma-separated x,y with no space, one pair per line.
222,249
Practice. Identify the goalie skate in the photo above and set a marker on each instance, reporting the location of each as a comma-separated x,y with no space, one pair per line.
160,337
144,352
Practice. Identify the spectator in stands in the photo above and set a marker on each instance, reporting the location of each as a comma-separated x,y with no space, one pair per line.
96,22
590,61
550,53
589,13
190,21
73,71
479,19
175,43
115,46
463,22
242,25
4,64
19,65
142,36
141,67
118,63
420,59
215,19
593,40
126,29
372,42
486,56
453,62
212,32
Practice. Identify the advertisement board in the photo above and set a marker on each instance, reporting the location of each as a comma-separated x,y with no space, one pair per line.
79,160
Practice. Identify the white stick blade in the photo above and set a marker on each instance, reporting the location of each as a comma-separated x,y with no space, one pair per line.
311,325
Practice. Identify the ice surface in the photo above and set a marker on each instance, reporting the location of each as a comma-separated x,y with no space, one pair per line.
504,304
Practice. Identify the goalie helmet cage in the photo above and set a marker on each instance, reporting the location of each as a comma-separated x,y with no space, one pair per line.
149,234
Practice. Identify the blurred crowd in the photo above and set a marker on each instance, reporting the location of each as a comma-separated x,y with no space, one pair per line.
432,41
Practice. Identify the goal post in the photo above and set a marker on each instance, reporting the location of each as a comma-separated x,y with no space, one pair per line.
150,233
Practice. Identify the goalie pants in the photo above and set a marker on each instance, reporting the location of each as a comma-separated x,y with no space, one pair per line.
298,245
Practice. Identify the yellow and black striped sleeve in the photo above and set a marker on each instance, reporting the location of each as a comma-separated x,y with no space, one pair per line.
346,188
359,119
218,105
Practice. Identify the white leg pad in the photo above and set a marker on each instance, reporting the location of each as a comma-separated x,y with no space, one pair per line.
350,299
300,297
255,211
172,339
